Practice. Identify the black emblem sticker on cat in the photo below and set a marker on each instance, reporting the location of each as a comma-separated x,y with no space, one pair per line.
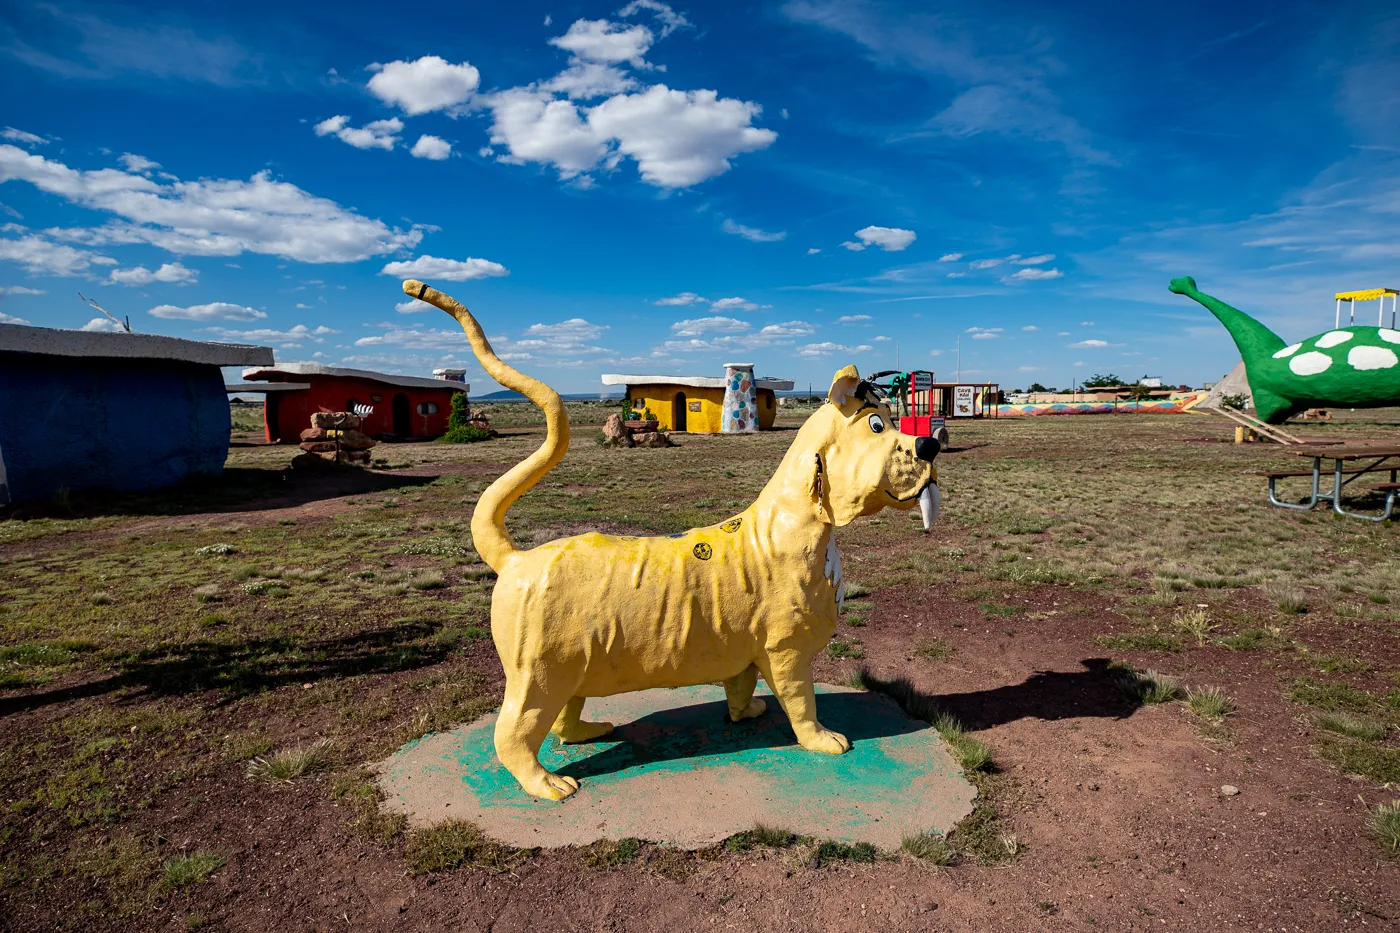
732,525
703,551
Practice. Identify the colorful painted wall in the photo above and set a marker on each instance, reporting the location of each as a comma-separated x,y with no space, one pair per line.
703,408
1167,406
90,423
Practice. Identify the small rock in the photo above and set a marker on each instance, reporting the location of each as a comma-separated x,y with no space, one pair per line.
615,433
652,439
1228,790
340,420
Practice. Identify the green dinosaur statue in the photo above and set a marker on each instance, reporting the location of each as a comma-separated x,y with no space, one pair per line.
1350,367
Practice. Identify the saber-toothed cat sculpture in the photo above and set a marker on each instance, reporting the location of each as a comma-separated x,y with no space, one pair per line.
1348,367
596,615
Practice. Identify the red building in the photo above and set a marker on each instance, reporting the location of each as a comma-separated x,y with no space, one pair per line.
405,407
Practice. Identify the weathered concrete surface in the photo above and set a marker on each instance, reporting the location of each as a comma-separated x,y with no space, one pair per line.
677,771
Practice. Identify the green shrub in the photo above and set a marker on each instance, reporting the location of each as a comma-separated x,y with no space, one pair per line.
460,430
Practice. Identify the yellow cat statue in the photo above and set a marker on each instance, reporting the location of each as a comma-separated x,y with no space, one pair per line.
755,595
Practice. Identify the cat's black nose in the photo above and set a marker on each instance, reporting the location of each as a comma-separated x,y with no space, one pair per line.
926,448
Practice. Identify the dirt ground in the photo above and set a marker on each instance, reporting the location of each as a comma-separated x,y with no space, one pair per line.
143,678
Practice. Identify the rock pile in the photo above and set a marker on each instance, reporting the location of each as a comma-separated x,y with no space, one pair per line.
616,434
334,435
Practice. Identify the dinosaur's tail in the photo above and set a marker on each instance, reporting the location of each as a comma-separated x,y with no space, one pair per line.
489,533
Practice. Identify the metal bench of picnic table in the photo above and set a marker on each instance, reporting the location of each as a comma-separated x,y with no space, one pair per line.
1385,459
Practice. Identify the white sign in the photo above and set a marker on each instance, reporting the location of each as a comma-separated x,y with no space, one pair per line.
962,401
923,381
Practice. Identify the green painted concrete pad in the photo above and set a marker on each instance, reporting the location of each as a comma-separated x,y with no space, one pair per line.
675,770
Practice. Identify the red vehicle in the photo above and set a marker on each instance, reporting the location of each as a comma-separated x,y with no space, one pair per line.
918,402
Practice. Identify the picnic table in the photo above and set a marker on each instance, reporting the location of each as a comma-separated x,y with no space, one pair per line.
1347,467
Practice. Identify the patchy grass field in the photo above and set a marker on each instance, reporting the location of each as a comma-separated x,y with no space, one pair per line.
1180,704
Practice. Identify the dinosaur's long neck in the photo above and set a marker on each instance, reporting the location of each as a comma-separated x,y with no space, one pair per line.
1253,339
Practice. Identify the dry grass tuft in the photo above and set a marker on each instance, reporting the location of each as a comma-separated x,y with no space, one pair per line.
289,764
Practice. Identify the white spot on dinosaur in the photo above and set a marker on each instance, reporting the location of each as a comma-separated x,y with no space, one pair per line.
1390,336
1371,358
1287,351
1310,364
833,572
1334,337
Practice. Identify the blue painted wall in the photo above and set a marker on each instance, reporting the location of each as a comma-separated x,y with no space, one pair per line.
78,423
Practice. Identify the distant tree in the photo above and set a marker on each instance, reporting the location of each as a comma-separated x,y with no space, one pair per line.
1037,387
1100,380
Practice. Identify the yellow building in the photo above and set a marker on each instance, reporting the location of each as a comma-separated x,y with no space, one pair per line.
693,403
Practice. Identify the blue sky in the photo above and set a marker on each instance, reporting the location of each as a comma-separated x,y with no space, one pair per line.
654,188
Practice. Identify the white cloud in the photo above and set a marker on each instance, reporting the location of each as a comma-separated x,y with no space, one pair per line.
1028,369
1030,274
20,290
43,257
598,40
992,330
670,19
1063,333
1040,260
853,246
210,217
950,257
294,336
20,136
431,147
753,233
417,339
684,298
695,327
381,134
890,239
427,84
881,337
680,138
813,251
168,272
986,263
935,353
537,128
214,311
813,350
732,304
412,306
11,319
102,325
571,336
584,80
985,335
1089,343
1086,323
1030,327
787,329
451,270
852,318
136,163
303,307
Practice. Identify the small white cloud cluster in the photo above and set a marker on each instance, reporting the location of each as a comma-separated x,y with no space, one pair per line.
451,270
890,239
172,272
213,311
677,138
